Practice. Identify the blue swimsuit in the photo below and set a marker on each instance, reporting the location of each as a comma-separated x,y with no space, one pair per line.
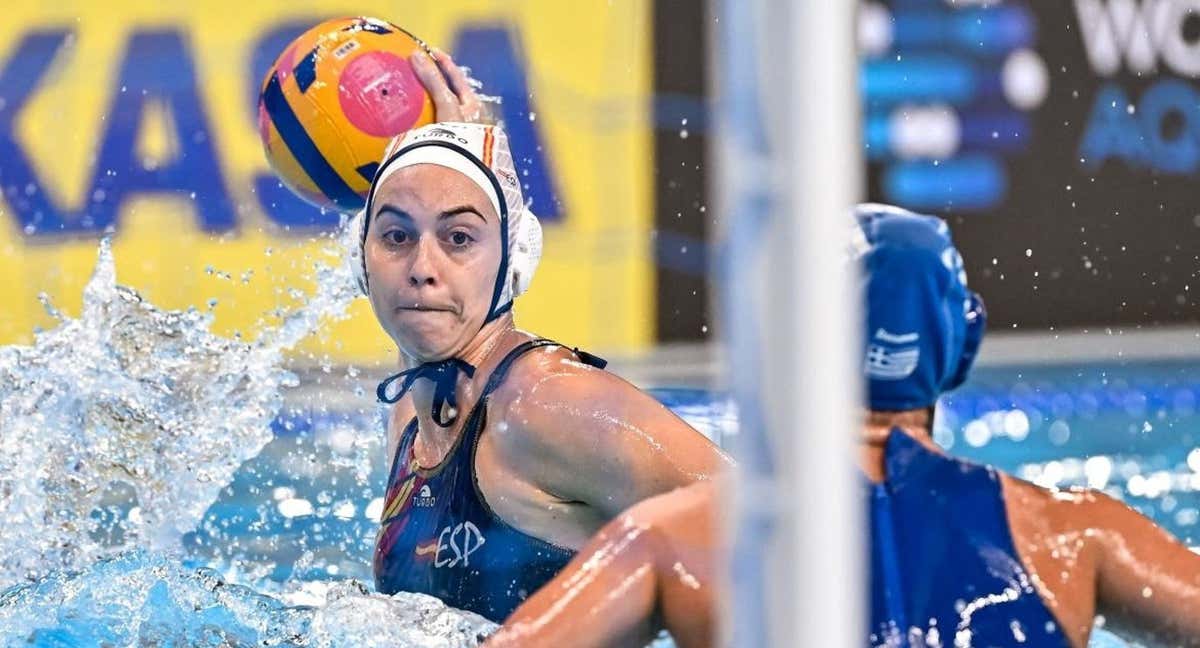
440,537
943,560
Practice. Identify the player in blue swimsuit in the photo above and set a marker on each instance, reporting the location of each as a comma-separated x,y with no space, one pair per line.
960,554
508,451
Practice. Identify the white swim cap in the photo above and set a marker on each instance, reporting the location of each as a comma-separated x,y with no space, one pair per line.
481,153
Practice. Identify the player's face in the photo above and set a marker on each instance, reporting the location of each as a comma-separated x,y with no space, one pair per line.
432,255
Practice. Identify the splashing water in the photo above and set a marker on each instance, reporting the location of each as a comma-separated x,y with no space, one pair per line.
118,431
126,394
147,600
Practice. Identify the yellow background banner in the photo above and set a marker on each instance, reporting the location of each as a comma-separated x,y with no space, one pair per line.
188,219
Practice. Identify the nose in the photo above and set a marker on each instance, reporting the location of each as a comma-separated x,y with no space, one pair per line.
423,272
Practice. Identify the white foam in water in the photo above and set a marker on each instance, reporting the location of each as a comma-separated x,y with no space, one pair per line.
125,394
132,401
147,600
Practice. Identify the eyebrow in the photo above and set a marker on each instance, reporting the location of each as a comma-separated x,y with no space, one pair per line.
449,213
461,209
393,210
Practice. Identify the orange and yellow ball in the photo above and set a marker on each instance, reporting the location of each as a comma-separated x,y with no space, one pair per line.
331,103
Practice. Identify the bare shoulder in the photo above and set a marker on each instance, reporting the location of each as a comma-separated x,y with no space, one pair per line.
534,414
1058,548
1055,510
552,398
1088,520
549,361
1043,519
586,434
547,383
1095,554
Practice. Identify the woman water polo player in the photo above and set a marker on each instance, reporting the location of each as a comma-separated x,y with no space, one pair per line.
511,450
960,554
1030,565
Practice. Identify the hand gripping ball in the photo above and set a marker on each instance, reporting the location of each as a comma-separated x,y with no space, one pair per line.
331,103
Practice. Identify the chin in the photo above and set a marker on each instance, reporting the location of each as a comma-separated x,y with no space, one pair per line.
425,349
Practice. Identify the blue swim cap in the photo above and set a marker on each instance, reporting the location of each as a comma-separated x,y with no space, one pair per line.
923,326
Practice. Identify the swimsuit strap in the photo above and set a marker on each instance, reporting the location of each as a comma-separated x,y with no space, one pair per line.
501,370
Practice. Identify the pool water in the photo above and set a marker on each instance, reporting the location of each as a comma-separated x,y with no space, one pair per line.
301,517
1130,429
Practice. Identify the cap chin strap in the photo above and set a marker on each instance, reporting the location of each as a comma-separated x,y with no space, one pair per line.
443,373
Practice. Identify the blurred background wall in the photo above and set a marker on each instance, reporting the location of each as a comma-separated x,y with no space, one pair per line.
139,118
1062,140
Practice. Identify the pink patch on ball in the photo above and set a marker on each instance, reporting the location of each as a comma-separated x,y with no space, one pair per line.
287,61
264,125
380,94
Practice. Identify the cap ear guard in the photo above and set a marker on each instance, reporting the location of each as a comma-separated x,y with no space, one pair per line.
976,322
524,253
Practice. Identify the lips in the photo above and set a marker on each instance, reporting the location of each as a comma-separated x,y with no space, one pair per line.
425,308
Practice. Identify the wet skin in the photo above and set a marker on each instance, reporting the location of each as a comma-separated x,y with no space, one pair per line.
1090,554
1085,552
566,447
654,565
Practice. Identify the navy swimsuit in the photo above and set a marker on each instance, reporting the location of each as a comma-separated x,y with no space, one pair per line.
440,537
944,569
